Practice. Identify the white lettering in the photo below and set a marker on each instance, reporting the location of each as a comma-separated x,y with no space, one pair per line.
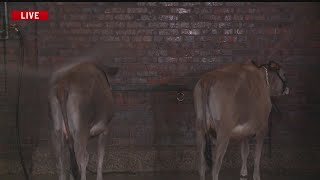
22,15
36,15
29,15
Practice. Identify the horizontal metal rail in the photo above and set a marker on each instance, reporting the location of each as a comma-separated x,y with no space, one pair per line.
151,88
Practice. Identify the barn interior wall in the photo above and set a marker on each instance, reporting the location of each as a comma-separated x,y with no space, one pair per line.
163,43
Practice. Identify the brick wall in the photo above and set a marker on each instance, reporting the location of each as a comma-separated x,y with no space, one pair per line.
169,43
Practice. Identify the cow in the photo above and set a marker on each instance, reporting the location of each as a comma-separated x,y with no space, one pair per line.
81,106
234,102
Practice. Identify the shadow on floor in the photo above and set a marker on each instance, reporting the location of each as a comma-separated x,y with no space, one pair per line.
224,175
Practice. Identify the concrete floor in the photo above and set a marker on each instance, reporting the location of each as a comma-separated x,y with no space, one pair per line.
224,175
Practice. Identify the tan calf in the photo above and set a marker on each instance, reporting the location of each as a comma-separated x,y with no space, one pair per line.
234,102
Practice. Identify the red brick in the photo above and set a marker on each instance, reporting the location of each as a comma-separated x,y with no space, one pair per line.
158,38
71,24
179,25
228,17
228,31
147,18
126,32
190,31
223,10
180,10
137,10
92,24
147,3
202,10
146,32
212,17
214,3
158,24
115,24
169,3
167,60
174,38
114,10
237,3
237,17
80,17
168,32
239,31
105,31
225,25
189,39
124,17
168,17
190,4
104,17
135,24
141,38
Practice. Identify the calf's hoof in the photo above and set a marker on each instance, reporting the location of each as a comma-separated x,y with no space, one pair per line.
256,177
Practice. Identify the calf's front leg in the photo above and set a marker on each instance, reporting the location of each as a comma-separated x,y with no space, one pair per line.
259,144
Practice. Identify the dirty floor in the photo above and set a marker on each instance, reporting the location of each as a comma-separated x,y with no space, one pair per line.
224,175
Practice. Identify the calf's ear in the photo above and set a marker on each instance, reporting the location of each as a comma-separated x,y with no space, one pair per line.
112,71
273,65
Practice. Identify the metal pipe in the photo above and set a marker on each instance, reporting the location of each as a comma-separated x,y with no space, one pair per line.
6,23
6,20
152,88
20,73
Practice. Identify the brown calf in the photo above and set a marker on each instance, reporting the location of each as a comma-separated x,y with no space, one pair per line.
81,106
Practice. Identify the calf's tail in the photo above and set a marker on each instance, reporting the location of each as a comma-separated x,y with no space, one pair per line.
205,100
62,95
208,151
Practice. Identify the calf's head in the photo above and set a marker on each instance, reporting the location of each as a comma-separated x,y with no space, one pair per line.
277,79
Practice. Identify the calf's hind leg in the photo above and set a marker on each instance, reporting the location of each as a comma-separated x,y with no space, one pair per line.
82,157
201,148
101,152
57,138
101,130
58,146
78,121
244,157
221,148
